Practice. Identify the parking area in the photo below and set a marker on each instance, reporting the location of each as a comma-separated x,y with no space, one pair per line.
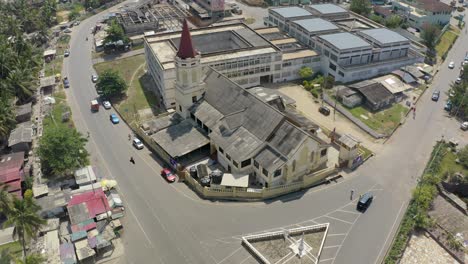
341,221
309,106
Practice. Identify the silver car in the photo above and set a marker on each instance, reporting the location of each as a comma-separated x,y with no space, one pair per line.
137,143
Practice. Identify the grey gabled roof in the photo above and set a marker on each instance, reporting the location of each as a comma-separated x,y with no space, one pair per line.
21,134
345,40
206,113
293,11
24,109
238,143
328,9
228,98
180,139
286,138
315,24
270,159
383,35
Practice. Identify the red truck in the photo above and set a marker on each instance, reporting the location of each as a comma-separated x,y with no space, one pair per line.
94,106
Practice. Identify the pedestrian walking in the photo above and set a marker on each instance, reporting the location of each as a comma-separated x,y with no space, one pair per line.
414,113
351,196
132,160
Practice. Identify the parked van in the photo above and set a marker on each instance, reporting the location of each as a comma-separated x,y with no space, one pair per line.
364,201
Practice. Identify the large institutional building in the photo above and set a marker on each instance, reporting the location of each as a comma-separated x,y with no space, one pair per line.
239,52
324,37
350,47
250,137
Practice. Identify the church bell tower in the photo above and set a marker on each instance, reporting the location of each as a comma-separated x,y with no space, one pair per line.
189,86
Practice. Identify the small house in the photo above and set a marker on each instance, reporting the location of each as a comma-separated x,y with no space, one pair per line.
21,137
12,172
348,97
49,55
376,96
48,84
23,112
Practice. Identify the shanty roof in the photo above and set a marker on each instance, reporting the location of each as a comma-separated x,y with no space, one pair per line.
10,166
85,175
50,52
270,159
96,202
373,92
186,49
348,141
47,81
24,109
21,134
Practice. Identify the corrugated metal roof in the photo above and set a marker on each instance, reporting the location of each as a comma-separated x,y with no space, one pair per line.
10,167
316,24
21,134
383,35
328,9
293,11
96,202
345,40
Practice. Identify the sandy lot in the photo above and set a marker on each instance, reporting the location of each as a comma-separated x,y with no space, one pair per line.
308,105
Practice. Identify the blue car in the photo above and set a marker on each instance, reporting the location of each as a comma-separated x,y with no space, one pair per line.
114,119
66,82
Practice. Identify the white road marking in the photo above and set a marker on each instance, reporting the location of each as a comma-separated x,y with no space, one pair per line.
342,234
331,246
230,255
324,260
389,233
244,260
337,219
349,212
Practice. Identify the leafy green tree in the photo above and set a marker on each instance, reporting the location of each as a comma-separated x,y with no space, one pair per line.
361,7
306,72
34,258
393,21
429,35
377,18
463,156
62,150
110,83
328,82
26,222
460,99
115,33
75,12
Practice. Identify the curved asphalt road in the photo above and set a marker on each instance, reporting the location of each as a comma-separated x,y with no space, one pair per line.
169,224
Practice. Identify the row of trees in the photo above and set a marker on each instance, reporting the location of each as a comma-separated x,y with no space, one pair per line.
20,54
23,216
459,96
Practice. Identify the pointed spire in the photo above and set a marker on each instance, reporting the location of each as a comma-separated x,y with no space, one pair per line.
186,49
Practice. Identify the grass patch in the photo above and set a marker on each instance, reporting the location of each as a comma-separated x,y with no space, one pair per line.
125,67
250,20
139,95
365,153
383,121
448,164
446,42
55,66
13,248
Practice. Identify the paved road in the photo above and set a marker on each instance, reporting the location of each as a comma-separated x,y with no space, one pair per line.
169,224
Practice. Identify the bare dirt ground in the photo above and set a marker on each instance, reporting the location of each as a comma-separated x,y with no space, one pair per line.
309,106
423,249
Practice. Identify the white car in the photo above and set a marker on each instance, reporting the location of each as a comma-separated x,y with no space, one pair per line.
458,80
137,143
106,104
464,126
94,78
451,65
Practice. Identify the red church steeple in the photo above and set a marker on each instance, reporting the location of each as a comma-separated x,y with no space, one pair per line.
186,49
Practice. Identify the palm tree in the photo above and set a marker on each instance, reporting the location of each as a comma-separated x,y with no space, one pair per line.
25,220
21,81
7,119
5,200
